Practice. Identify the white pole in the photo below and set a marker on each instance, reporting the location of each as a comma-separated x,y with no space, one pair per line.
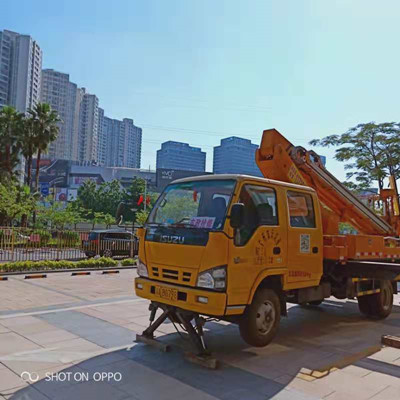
145,194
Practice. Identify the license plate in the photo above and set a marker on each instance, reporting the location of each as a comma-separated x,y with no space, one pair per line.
167,293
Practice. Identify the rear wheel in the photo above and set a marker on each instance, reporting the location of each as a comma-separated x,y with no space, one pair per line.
315,303
107,253
260,322
378,305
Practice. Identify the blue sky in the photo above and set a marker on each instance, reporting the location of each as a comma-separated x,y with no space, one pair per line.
200,70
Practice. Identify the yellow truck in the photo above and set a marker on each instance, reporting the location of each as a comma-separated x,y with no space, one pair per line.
238,248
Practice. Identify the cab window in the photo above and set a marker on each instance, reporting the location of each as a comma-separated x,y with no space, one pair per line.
260,208
301,210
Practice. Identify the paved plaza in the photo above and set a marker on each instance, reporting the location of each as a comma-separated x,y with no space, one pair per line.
67,337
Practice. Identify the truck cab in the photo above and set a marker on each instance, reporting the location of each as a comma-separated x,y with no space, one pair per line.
229,246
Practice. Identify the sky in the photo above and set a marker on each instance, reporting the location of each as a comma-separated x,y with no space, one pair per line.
200,70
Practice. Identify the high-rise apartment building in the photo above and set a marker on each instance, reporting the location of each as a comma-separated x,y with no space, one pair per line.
181,156
20,70
235,156
88,128
63,97
121,143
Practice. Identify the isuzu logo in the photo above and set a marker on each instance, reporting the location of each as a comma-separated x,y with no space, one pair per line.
172,239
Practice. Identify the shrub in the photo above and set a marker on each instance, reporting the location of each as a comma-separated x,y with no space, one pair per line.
128,261
45,236
44,265
69,237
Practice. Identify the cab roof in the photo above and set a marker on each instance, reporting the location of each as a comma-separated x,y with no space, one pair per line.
240,178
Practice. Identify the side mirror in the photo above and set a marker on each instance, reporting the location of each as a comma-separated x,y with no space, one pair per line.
237,215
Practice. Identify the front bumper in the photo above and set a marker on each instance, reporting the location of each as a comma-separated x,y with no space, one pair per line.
187,297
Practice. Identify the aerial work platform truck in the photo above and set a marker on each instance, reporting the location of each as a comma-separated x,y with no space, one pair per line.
239,248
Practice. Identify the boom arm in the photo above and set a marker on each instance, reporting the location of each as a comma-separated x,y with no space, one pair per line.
278,159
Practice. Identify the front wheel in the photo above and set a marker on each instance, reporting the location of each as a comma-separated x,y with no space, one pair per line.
260,322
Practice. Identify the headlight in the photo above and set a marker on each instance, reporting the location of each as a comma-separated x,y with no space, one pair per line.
142,269
214,278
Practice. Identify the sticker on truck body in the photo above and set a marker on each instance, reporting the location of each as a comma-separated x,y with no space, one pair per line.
304,243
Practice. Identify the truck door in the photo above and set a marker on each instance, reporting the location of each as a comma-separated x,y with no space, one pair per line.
305,239
259,244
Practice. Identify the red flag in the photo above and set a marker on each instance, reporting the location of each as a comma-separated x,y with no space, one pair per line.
140,201
148,200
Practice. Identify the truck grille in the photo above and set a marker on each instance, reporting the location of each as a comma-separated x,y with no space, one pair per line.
172,275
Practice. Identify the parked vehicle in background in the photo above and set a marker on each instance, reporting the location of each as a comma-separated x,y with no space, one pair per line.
110,243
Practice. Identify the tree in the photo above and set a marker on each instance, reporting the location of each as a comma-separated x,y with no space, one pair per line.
371,152
10,143
45,130
141,217
15,201
28,140
103,198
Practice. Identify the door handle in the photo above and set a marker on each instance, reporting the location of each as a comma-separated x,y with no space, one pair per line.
315,250
276,250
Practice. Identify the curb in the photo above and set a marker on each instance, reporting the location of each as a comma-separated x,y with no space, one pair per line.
53,271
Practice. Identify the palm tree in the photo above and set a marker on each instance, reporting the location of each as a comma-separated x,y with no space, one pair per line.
45,130
10,141
28,147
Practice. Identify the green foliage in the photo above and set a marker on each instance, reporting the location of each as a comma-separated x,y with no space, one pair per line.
11,123
371,152
69,237
15,201
141,217
126,262
102,199
47,265
44,235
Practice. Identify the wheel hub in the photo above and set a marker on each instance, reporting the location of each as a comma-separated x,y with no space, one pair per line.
265,317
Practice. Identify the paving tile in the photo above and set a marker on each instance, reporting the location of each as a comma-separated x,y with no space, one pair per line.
355,370
85,390
389,393
356,388
3,329
9,380
57,335
31,366
12,343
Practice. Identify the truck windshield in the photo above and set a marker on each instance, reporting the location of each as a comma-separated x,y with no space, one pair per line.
197,204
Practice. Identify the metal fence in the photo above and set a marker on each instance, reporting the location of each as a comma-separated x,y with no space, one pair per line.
21,244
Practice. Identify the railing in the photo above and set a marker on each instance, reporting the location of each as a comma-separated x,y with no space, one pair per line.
22,244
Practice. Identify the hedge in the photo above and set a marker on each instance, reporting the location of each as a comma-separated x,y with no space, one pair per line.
127,262
22,266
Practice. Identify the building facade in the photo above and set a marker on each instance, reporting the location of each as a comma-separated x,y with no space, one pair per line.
20,70
235,156
88,128
63,97
121,142
181,156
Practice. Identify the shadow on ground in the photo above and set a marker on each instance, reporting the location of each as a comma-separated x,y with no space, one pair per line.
311,337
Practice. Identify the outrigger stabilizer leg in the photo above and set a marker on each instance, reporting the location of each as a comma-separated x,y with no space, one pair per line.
202,356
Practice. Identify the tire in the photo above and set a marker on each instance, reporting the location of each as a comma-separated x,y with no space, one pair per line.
379,305
107,253
260,322
315,303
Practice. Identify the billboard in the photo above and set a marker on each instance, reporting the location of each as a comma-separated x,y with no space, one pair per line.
53,173
164,176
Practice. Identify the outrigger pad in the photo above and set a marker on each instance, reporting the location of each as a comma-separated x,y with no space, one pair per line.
203,360
153,342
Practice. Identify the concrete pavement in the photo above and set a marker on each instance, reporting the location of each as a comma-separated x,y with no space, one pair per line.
72,337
